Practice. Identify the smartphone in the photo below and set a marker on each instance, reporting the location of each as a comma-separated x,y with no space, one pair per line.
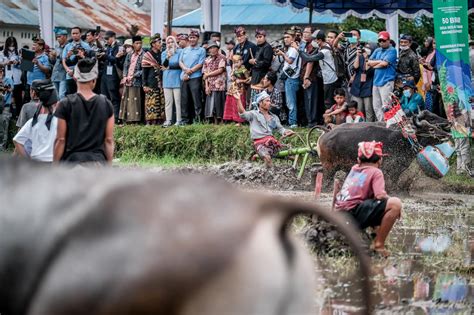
97,29
347,34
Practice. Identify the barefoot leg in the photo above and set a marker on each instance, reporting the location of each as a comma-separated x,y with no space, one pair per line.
392,213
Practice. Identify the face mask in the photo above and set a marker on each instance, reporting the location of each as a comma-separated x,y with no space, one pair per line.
407,93
404,47
12,48
218,43
314,44
368,51
129,50
352,40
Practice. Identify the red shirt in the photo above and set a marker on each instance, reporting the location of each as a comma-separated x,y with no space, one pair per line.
361,184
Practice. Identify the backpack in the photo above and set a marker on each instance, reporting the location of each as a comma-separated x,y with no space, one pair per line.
339,64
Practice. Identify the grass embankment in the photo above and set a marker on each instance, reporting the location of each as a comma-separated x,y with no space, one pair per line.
197,144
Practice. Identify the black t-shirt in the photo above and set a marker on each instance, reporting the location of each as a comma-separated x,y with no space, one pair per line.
86,123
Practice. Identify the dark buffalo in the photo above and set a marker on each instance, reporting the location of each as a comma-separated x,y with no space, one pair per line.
113,242
337,149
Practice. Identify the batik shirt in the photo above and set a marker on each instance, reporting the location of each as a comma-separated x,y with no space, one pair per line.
216,83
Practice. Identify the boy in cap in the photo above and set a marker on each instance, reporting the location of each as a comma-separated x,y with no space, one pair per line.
262,125
363,195
412,102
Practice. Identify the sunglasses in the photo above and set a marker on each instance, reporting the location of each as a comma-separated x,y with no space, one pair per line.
382,40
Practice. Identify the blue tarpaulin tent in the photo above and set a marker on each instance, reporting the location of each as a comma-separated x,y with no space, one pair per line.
366,8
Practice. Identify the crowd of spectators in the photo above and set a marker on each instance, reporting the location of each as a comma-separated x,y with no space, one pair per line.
312,77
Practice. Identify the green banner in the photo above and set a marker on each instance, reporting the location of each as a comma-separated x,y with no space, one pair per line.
452,60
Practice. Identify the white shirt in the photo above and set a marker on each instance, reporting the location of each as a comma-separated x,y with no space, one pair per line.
296,65
11,71
328,68
42,139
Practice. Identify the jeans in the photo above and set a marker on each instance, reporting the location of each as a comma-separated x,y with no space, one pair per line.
311,104
291,87
60,88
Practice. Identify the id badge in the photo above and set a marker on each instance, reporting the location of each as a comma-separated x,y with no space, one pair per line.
363,77
110,70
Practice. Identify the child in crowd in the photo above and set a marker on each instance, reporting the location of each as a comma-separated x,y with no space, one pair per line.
36,138
363,195
240,76
336,115
353,116
412,102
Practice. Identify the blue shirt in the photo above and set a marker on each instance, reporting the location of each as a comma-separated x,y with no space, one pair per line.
192,56
171,77
70,47
7,98
411,105
59,73
37,74
384,75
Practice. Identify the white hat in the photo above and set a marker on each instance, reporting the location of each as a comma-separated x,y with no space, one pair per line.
262,96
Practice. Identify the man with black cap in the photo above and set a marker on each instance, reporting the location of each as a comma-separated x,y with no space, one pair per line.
408,61
36,138
112,63
262,60
191,62
244,47
85,121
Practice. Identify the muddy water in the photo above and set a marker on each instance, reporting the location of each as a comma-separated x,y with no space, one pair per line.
431,267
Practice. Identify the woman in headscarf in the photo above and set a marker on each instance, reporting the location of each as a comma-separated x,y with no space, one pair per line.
131,104
171,80
10,59
152,85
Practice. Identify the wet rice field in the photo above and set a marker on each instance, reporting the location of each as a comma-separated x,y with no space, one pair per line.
430,269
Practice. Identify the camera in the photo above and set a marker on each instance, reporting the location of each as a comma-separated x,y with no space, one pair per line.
75,49
361,47
277,45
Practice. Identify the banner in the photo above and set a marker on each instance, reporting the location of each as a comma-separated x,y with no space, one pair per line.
452,60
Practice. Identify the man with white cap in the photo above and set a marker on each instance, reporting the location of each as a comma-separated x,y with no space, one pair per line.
85,121
262,124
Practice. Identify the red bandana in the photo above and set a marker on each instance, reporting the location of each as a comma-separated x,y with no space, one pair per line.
368,149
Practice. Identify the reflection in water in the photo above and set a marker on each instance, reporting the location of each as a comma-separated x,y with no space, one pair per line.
430,270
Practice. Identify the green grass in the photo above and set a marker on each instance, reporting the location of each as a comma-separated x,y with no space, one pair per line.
196,144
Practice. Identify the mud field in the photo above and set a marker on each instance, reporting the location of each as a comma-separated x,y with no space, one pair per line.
431,266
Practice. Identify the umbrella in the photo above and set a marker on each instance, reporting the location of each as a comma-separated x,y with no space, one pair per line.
368,36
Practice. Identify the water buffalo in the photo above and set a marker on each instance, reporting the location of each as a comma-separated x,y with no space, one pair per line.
337,149
113,242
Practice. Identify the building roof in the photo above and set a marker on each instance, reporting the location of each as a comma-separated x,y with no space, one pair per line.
115,15
254,12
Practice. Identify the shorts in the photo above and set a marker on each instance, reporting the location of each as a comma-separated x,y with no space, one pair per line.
369,213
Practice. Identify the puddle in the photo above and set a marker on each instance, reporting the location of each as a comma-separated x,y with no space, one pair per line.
430,270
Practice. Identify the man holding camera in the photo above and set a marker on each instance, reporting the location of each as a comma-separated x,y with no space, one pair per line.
75,50
291,72
41,66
